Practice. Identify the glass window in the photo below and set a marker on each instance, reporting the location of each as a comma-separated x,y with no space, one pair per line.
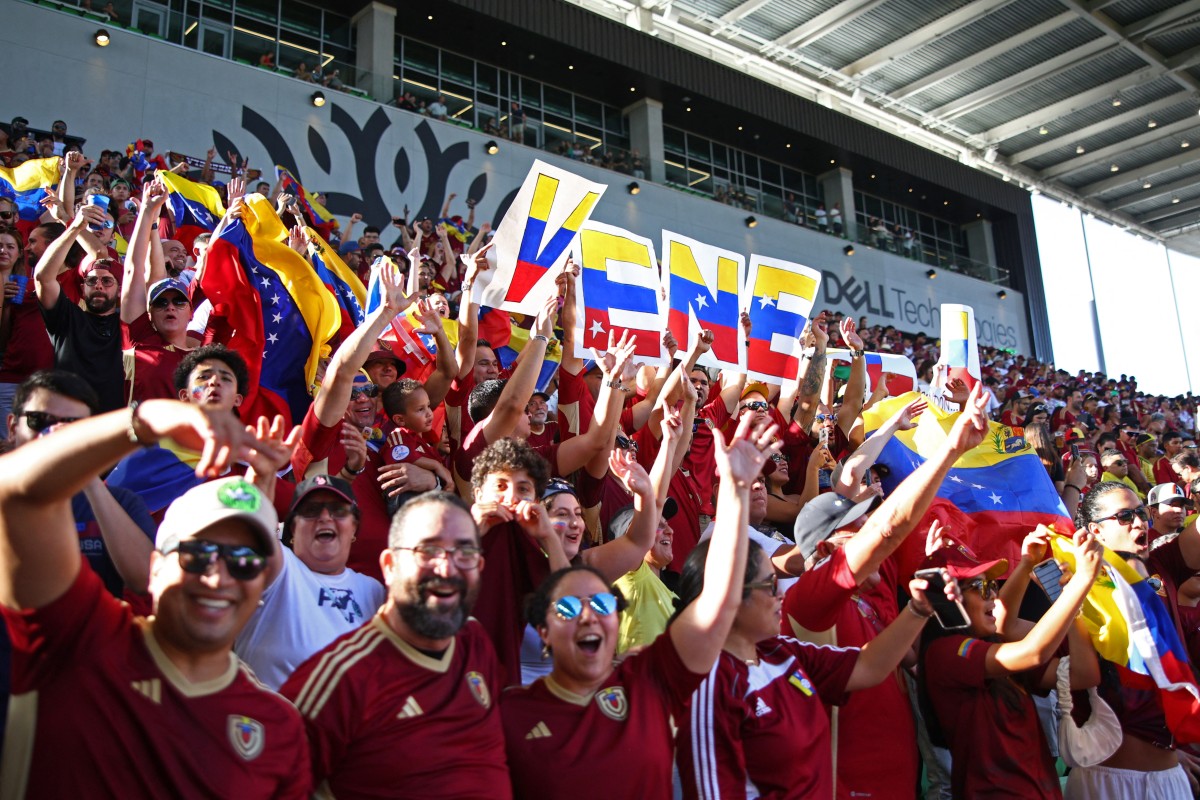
588,111
486,78
457,69
338,30
420,57
301,18
556,101
673,140
531,94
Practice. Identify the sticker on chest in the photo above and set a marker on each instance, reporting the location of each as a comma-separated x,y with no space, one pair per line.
613,703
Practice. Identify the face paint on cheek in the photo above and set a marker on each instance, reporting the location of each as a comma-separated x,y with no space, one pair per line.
197,392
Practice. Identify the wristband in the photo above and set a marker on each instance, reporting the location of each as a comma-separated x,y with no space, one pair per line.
614,383
539,337
132,432
154,226
354,472
912,607
1073,486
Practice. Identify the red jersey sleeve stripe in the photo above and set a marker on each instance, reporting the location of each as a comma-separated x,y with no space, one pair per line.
332,667
704,756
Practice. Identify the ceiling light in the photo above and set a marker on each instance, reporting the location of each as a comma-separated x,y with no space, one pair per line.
504,44
931,274
1146,185
739,127
1003,295
1175,199
430,17
570,66
1007,178
833,161
634,188
1079,149
633,88
318,99
945,202
848,249
689,108
1114,168
1116,101
102,38
788,145
1042,130
1185,143
1151,124
491,148
751,222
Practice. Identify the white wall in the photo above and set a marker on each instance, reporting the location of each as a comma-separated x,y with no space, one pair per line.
186,101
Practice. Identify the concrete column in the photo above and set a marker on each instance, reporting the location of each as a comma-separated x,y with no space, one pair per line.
981,248
646,136
375,31
837,186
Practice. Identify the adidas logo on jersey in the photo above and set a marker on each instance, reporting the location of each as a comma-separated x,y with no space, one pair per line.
540,731
761,708
411,709
151,689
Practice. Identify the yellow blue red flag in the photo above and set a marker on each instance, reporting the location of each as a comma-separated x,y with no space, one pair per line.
25,184
779,299
617,291
195,207
704,292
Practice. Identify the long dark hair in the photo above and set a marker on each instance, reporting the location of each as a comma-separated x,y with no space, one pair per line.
537,605
691,580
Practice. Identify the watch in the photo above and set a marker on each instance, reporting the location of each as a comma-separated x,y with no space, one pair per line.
857,353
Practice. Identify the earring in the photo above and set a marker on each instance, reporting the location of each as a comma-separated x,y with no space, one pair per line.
545,650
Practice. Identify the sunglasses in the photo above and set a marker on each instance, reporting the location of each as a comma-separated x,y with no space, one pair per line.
105,282
569,606
1118,462
465,556
770,585
1125,516
163,302
199,557
823,417
986,588
779,458
754,405
40,420
313,510
625,443
6,215
370,390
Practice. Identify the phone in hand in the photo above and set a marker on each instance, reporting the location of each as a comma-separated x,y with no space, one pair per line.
1074,452
823,436
1049,576
950,614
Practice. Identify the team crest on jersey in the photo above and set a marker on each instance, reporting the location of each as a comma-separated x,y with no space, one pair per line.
246,735
613,703
241,495
479,689
399,452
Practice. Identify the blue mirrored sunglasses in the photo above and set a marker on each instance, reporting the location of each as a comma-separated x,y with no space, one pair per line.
569,607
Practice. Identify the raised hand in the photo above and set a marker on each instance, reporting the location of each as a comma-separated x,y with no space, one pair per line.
704,341
394,297
236,188
475,264
972,424
1035,545
356,217
668,340
850,335
744,321
624,465
906,418
918,586
544,323
820,331
672,423
220,438
957,391
272,451
1089,555
936,539
431,320
742,459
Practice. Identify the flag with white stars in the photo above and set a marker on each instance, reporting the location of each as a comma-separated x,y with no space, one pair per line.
281,312
340,280
779,297
900,368
195,207
1000,485
618,290
704,292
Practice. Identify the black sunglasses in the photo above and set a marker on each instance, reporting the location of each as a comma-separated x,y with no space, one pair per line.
162,302
370,390
771,585
755,405
198,557
39,420
1125,516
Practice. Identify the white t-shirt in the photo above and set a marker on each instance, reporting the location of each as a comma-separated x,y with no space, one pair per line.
302,612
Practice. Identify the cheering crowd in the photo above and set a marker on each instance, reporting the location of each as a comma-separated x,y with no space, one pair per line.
477,577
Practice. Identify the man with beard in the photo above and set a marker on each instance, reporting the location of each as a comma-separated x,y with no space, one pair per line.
87,343
405,705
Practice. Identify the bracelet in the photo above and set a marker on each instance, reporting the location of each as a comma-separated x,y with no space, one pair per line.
131,431
354,472
1073,486
615,383
154,226
857,353
539,337
912,607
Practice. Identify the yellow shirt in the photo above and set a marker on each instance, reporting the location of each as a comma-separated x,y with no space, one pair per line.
1108,476
650,606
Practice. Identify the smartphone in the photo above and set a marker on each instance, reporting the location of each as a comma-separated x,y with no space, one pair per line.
1074,452
823,436
950,614
1048,574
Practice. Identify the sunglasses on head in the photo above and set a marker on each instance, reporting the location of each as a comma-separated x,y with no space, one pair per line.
754,405
39,420
1125,516
569,606
199,557
162,302
369,389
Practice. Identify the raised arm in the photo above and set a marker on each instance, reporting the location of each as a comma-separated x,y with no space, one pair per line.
700,630
137,266
625,553
591,448
54,259
437,385
880,657
468,314
568,315
856,387
510,406
866,453
814,375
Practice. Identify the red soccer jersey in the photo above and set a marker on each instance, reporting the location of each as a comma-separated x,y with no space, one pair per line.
149,361
386,720
614,743
764,726
516,566
548,436
576,406
29,346
997,751
91,684
826,599
411,447
456,409
1164,472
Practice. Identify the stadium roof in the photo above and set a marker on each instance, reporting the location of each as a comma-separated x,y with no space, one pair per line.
1091,101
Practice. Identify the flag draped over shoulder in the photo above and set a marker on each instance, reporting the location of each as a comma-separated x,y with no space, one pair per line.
320,216
1129,625
1000,486
340,280
281,312
25,184
195,207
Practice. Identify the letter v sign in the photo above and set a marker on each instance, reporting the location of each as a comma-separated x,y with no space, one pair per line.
534,257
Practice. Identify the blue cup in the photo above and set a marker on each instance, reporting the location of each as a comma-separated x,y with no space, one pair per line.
101,202
22,282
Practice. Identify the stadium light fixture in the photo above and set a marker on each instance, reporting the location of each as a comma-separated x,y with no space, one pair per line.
318,99
931,274
102,38
1003,295
751,222
848,249
491,148
634,188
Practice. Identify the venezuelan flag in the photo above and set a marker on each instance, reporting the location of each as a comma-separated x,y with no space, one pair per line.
781,298
320,216
900,368
195,207
1129,625
688,294
25,184
281,312
532,258
619,277
340,280
1001,485
960,350
516,343
402,335
157,474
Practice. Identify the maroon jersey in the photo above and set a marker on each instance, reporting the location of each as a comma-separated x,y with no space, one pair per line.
149,361
764,726
614,743
576,406
410,448
387,720
100,711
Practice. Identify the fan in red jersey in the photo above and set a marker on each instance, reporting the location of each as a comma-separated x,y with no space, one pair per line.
606,731
180,715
